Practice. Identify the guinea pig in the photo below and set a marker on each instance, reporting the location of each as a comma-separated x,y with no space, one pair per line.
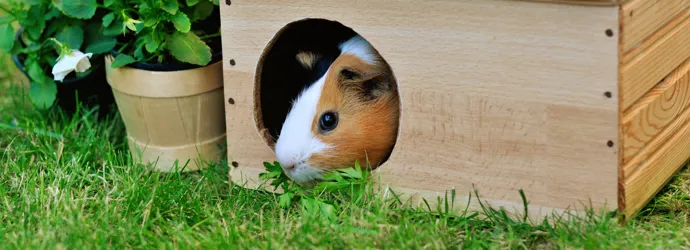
350,113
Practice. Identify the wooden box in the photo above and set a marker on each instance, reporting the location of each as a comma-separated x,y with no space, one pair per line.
579,103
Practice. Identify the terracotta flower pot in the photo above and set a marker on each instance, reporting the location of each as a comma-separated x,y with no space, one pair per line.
171,114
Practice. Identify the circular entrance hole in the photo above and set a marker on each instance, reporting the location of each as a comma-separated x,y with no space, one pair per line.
281,77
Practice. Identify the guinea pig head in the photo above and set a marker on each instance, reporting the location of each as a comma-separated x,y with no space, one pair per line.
351,113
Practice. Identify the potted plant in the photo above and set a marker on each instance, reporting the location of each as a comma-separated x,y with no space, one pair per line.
64,37
166,75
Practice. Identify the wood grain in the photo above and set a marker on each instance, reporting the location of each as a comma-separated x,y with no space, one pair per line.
653,64
642,18
183,124
656,36
503,95
655,111
658,168
581,2
639,159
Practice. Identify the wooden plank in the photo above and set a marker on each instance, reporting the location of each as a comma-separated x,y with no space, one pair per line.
651,40
642,18
502,95
637,161
655,111
648,178
656,62
582,2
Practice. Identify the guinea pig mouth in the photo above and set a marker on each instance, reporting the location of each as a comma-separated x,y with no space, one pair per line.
304,175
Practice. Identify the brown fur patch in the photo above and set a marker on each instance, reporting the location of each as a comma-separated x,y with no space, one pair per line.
307,59
366,100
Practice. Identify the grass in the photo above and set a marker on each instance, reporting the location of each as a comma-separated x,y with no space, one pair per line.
68,182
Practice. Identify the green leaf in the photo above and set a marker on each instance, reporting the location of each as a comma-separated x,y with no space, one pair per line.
331,186
352,173
191,3
42,94
113,30
16,49
170,6
72,35
188,47
139,52
150,46
181,22
6,37
145,8
139,27
108,3
35,30
122,60
151,43
33,2
108,19
35,70
317,208
42,89
101,45
52,13
32,48
92,31
81,9
149,22
37,12
22,16
50,59
285,199
6,19
55,26
202,11
95,39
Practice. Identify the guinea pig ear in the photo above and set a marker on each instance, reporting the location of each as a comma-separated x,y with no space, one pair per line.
348,74
368,87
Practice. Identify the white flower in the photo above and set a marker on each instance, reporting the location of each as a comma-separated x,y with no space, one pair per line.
74,61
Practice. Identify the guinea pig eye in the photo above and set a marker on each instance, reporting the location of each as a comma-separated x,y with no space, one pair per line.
328,121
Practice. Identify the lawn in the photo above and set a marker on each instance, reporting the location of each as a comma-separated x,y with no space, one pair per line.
69,183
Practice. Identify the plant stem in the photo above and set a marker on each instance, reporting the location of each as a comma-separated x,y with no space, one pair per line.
3,8
119,51
210,36
150,57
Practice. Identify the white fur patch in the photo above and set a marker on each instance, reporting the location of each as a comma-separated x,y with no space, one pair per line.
296,142
360,48
305,175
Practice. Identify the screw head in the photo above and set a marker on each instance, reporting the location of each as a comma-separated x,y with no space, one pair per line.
609,32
